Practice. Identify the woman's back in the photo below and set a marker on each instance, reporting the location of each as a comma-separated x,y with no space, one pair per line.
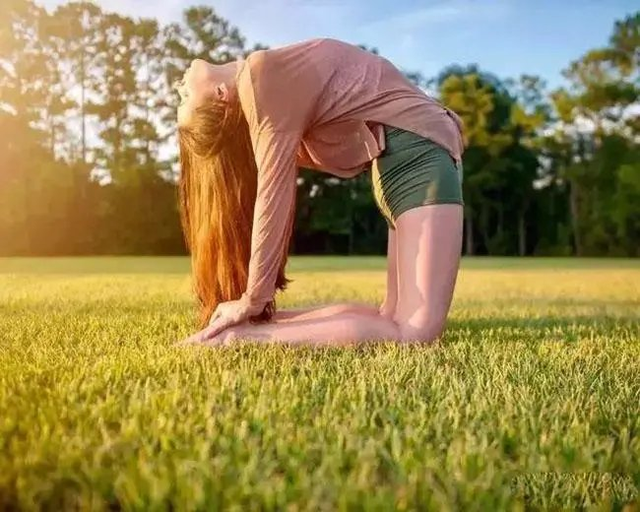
327,90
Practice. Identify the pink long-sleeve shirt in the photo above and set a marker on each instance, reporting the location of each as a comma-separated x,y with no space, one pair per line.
321,104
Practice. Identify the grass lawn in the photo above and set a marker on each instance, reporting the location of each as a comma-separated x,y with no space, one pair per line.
530,401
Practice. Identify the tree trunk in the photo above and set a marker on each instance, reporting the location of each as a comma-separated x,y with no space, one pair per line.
575,225
53,135
484,221
469,234
522,234
82,109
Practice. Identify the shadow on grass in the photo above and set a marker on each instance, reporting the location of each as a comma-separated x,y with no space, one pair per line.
568,327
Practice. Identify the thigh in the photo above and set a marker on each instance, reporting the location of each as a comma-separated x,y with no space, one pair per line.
429,242
413,171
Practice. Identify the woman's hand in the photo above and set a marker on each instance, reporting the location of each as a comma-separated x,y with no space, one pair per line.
228,314
203,337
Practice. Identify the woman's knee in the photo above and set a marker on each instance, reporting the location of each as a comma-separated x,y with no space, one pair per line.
423,330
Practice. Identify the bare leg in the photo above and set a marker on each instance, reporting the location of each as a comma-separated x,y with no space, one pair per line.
342,328
297,318
429,246
323,311
388,306
429,239
386,309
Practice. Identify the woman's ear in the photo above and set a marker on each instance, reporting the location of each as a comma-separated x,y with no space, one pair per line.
222,92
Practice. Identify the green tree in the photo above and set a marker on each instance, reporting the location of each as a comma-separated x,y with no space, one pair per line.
484,105
32,198
597,135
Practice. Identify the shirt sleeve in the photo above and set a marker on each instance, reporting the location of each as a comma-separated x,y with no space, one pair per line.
275,151
272,217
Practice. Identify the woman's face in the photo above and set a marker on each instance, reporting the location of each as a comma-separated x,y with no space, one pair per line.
199,84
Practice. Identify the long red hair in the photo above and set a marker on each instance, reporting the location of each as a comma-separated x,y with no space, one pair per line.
216,196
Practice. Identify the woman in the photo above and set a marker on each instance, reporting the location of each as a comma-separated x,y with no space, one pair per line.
246,127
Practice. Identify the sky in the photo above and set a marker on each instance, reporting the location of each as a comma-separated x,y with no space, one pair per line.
504,37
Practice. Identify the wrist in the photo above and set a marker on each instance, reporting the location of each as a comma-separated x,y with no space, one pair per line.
252,306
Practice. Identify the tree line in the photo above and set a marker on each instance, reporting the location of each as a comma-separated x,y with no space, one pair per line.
88,156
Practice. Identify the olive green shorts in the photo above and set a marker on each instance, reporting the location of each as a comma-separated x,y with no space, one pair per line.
413,171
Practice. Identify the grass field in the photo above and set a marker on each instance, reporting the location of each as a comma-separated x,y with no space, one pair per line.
530,401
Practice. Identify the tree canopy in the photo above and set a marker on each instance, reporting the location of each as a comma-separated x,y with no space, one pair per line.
88,156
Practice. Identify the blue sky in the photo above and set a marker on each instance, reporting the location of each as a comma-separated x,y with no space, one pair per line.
506,37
